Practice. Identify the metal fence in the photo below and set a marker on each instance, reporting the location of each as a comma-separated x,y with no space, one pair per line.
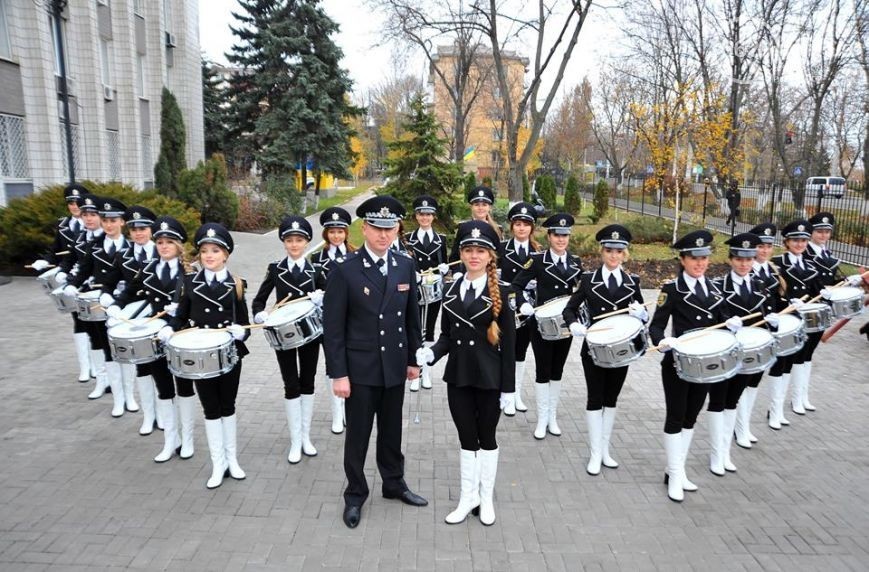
776,201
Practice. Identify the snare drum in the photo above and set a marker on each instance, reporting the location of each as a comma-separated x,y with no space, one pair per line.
708,358
846,301
518,318
138,309
758,349
816,317
201,354
65,304
789,335
89,309
294,325
48,281
431,289
550,322
616,341
137,342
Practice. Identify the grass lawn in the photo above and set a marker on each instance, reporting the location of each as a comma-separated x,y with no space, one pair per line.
341,197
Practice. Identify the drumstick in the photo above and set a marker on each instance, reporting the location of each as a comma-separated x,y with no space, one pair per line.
434,269
705,331
549,302
154,317
622,311
247,327
592,330
789,310
284,302
44,267
62,253
278,304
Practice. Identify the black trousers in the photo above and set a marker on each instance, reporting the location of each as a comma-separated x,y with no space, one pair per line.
431,319
549,357
725,394
475,413
366,402
603,385
683,399
164,380
299,369
218,394
754,379
99,336
523,339
782,365
805,354
78,327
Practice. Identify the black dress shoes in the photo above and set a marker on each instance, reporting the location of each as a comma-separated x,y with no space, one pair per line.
407,497
352,515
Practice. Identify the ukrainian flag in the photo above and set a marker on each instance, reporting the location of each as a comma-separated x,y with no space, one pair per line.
470,152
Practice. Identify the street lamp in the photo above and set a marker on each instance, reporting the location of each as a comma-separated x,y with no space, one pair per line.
57,8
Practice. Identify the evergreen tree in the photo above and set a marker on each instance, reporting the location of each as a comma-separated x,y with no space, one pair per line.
171,161
213,110
572,200
417,164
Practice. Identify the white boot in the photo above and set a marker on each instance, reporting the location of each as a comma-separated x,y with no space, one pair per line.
541,391
170,435
414,384
808,381
783,393
307,414
82,353
750,393
594,422
772,415
520,374
293,408
727,439
114,376
510,407
554,395
229,446
146,396
158,413
425,374
337,410
128,376
98,362
673,446
740,424
187,417
219,468
716,438
488,471
469,501
798,381
609,419
687,437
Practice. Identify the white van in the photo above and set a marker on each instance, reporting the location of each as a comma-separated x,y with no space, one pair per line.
830,186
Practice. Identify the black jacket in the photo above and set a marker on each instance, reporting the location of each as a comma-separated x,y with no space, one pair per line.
827,265
774,286
430,257
758,301
99,265
800,282
594,293
146,285
80,247
551,282
678,302
64,241
280,278
510,263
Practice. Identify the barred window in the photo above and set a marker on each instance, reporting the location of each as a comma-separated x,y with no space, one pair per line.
13,148
5,44
147,161
76,155
113,143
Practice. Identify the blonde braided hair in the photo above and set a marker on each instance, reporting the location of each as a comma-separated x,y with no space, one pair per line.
494,332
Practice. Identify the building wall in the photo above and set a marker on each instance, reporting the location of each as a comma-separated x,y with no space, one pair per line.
116,114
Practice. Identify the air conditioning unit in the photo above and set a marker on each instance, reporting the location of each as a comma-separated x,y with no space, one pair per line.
103,2
108,93
171,41
70,84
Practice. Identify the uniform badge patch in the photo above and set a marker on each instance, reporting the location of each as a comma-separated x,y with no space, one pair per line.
528,263
403,287
662,298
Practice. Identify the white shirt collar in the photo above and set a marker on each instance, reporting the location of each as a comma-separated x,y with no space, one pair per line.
556,258
605,274
817,248
795,258
221,275
172,262
422,233
477,283
149,249
375,258
73,220
117,242
300,263
518,243
691,282
758,265
335,251
738,280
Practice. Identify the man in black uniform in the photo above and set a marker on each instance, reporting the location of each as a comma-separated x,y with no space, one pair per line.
371,332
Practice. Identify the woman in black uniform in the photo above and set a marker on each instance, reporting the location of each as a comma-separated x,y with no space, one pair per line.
693,302
481,199
294,277
516,252
477,333
557,273
607,289
214,298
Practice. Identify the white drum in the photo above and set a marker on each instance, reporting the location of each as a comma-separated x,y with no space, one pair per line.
550,323
201,354
136,342
65,303
431,289
89,309
758,349
707,357
48,280
616,341
789,335
138,309
816,317
846,302
294,325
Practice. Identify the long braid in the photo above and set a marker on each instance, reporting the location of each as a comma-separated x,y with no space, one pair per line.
494,332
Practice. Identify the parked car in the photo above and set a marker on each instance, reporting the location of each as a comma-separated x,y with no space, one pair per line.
826,186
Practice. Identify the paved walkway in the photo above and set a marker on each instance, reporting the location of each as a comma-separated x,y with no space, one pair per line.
78,489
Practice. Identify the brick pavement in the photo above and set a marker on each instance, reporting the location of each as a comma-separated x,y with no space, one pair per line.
80,491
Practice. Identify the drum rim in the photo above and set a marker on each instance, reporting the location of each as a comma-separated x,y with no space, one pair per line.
713,333
127,327
207,332
311,307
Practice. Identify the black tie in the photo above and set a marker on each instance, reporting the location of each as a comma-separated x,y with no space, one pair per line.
165,277
76,226
763,273
214,283
522,253
699,292
562,266
426,243
612,283
745,292
381,263
111,250
469,297
142,257
297,273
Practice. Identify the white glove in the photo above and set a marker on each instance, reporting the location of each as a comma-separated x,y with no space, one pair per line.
507,399
39,265
638,311
424,356
532,284
171,308
577,329
797,303
106,300
260,317
70,290
418,277
316,297
122,285
826,294
444,268
165,333
111,311
772,320
734,324
666,344
236,331
60,277
852,280
526,309
457,276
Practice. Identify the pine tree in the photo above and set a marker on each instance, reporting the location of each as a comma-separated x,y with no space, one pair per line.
213,110
171,161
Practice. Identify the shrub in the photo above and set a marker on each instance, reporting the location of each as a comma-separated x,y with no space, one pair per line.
171,161
649,229
487,181
204,188
601,200
470,182
572,201
584,245
546,191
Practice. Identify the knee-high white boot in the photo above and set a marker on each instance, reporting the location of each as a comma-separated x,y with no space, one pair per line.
425,371
687,438
716,439
488,471
554,397
293,409
594,422
337,410
783,393
307,407
187,418
146,396
98,362
673,447
229,446
798,383
727,439
128,376
520,375
772,415
609,420
808,381
469,501
116,382
541,391
170,433
82,353
219,467
751,394
743,418
414,384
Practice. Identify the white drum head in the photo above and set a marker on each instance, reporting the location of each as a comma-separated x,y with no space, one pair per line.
92,295
845,293
617,328
199,340
704,343
289,313
133,309
811,307
431,278
49,273
58,291
137,329
753,337
788,323
552,308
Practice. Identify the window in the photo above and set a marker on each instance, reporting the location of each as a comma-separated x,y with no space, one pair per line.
137,8
113,152
56,43
76,156
106,62
140,75
13,148
147,162
5,44
167,15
